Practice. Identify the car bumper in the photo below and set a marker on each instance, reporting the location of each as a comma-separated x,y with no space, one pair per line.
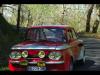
48,62
51,66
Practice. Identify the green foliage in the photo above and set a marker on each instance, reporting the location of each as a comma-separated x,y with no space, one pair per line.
51,14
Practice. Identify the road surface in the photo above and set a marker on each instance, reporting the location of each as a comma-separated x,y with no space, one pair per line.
92,54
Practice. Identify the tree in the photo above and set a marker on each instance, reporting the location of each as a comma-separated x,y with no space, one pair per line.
73,15
63,15
97,21
89,18
18,17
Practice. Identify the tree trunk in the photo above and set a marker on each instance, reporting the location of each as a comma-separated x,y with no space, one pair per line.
22,17
18,17
29,17
97,21
89,18
95,27
62,22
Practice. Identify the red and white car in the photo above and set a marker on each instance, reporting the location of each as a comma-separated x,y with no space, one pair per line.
47,48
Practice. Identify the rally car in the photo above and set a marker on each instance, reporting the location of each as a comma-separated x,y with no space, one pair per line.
47,48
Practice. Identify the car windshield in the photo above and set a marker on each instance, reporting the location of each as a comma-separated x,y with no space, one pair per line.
46,34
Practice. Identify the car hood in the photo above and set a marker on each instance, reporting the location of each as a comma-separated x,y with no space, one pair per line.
40,45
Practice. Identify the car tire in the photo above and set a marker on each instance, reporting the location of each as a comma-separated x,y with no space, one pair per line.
82,55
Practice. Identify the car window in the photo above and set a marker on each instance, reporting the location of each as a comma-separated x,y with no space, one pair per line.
46,34
32,34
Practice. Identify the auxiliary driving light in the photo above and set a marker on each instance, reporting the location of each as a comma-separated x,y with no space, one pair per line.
24,54
41,54
15,55
55,55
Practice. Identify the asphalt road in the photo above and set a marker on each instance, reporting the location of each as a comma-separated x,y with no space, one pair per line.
92,54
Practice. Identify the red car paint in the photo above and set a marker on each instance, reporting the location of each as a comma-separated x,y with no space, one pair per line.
68,53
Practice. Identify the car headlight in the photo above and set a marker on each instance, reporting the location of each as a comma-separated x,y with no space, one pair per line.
55,55
15,55
24,54
41,54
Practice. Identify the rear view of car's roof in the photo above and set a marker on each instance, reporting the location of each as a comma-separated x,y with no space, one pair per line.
50,26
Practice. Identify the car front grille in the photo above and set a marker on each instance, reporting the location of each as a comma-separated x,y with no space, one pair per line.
35,56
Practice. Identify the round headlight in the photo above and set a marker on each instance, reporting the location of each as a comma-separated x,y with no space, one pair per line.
24,54
41,54
54,55
15,55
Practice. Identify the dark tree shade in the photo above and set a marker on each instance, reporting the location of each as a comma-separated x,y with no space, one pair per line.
18,17
95,27
89,18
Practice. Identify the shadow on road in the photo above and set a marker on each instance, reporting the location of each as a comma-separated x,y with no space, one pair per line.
85,67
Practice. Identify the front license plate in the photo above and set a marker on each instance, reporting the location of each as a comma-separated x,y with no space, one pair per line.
35,68
41,66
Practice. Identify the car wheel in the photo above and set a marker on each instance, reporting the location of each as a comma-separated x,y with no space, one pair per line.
82,56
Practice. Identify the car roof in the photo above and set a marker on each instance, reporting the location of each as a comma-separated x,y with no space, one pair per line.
50,26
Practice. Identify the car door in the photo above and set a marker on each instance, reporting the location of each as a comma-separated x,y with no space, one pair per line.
72,40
